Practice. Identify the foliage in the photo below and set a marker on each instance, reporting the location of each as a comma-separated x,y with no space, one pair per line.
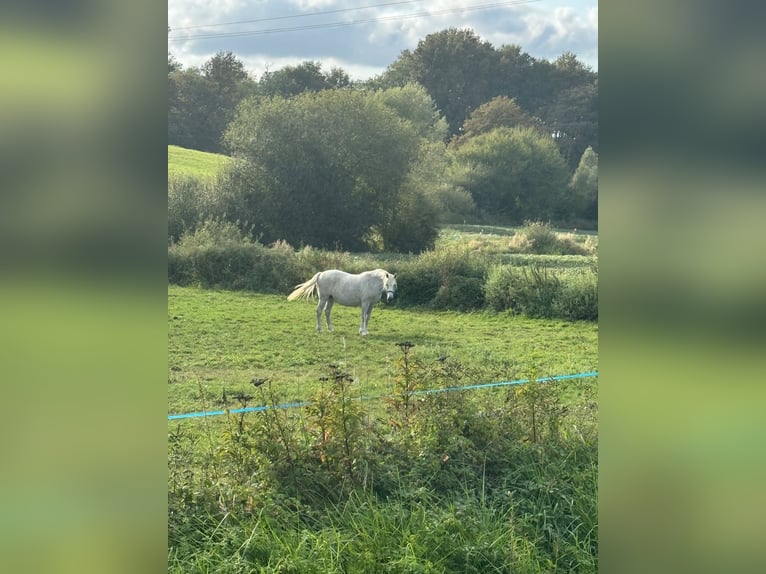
190,96
219,255
541,292
375,151
201,102
454,275
457,68
540,238
584,186
429,178
411,102
399,73
191,200
322,168
444,278
500,111
512,174
434,482
307,76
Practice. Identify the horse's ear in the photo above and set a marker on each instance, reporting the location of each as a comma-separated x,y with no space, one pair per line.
394,275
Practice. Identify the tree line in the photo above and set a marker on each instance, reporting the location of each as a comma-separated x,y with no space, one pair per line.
455,130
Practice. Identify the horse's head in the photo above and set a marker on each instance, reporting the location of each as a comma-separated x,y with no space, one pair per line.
389,286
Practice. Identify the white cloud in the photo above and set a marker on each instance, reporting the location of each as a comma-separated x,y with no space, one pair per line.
544,29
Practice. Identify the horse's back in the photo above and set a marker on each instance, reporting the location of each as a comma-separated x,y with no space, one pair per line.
347,288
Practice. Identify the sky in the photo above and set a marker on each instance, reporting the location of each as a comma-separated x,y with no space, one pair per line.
363,37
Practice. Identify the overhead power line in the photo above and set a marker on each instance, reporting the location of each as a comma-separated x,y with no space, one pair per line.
338,24
304,15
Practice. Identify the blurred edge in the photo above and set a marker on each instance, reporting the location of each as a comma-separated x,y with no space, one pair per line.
82,218
683,285
83,286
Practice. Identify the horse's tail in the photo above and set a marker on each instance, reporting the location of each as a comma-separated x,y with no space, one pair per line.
305,290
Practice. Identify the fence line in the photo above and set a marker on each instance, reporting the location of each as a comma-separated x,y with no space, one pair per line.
424,392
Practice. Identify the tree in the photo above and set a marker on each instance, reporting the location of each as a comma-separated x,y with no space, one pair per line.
201,102
573,119
513,174
324,169
190,97
457,69
305,77
584,187
412,226
412,103
520,77
173,64
501,111
398,74
228,80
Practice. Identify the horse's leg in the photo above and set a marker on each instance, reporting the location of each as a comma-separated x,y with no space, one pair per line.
366,311
327,311
320,306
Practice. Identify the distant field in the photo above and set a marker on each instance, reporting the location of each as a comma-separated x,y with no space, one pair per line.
189,162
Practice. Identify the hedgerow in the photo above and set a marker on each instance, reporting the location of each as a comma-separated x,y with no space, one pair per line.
453,276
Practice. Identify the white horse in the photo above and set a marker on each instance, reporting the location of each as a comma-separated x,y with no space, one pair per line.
363,289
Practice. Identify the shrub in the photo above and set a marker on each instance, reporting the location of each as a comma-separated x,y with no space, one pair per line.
542,292
540,238
463,483
190,202
461,293
314,260
451,277
578,299
219,255
528,290
180,268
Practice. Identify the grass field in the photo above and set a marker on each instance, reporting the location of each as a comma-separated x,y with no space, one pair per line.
193,163
221,340
370,477
454,482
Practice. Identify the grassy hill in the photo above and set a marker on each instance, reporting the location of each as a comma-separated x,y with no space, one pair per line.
190,162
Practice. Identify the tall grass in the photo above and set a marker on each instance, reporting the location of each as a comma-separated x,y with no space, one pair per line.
434,482
538,291
455,276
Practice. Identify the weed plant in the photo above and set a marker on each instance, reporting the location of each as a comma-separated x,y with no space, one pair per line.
426,481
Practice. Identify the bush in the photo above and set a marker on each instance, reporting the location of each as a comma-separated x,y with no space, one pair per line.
190,202
542,292
578,299
219,255
461,293
450,277
540,238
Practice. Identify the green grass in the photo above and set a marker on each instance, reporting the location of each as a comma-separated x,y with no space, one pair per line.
193,163
503,242
220,340
492,480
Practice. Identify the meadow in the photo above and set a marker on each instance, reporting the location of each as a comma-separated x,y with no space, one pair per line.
374,477
222,339
194,163
337,453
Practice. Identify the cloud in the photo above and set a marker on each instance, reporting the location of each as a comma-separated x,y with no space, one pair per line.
364,40
564,30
